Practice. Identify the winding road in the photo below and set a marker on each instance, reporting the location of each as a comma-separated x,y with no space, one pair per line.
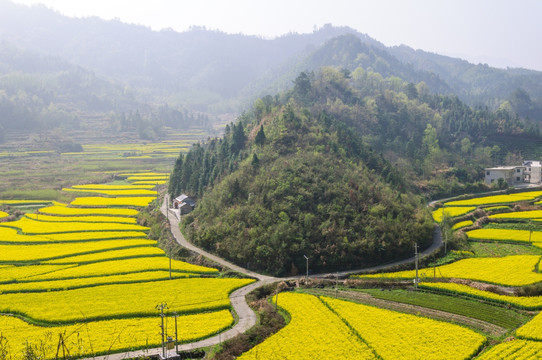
246,316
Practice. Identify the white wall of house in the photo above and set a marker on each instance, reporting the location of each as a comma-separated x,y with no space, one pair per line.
510,174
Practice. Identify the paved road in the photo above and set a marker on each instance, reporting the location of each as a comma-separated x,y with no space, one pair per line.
247,317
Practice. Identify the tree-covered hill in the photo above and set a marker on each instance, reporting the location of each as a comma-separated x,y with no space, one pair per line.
334,169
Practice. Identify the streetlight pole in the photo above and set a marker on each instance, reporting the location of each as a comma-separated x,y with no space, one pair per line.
307,262
416,256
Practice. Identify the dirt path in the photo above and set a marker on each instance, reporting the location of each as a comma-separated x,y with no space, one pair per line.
365,298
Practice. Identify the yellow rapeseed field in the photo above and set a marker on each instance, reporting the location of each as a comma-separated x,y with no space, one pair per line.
35,252
10,273
111,254
497,199
514,349
314,332
125,266
93,235
112,187
70,211
111,301
531,214
31,226
462,224
83,218
88,339
532,330
505,234
451,212
3,214
138,201
120,192
516,270
526,302
66,284
397,336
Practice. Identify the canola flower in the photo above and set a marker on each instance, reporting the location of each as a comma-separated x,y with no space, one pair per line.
121,192
531,214
532,330
314,332
67,284
111,254
497,199
515,270
93,235
89,339
71,211
499,207
505,235
451,212
82,218
98,201
514,349
395,335
143,182
462,224
10,273
31,226
25,202
525,302
21,253
112,187
184,296
124,266
3,214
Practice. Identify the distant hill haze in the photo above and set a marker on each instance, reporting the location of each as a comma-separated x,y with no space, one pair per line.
213,71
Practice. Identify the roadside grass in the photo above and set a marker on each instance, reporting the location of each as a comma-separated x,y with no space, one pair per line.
500,316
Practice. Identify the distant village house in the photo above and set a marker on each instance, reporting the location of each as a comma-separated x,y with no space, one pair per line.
184,204
528,173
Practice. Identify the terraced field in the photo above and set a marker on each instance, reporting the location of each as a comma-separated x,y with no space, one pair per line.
85,277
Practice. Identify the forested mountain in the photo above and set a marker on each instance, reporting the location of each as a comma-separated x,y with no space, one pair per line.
330,169
213,71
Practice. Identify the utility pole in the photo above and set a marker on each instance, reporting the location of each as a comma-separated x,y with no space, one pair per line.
162,307
307,262
416,257
336,284
167,209
176,336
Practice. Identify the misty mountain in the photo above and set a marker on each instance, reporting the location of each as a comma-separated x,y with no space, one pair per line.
214,71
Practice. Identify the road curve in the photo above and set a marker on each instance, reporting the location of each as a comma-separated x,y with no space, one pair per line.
246,316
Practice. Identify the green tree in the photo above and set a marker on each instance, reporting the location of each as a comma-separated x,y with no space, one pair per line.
260,137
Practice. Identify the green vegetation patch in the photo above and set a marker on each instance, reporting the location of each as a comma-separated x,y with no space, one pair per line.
500,316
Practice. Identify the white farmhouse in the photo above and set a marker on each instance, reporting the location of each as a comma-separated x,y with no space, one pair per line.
511,174
533,171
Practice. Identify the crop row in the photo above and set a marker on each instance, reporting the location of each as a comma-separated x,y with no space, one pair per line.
514,349
31,226
451,211
184,296
98,201
527,302
104,268
531,214
68,284
532,330
497,199
63,210
462,224
512,235
121,192
331,328
396,335
89,339
516,270
112,187
20,253
82,218
314,332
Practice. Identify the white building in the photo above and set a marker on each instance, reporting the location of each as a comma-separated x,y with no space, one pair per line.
530,172
511,174
533,171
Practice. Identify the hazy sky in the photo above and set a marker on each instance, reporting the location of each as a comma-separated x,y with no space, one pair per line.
497,32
